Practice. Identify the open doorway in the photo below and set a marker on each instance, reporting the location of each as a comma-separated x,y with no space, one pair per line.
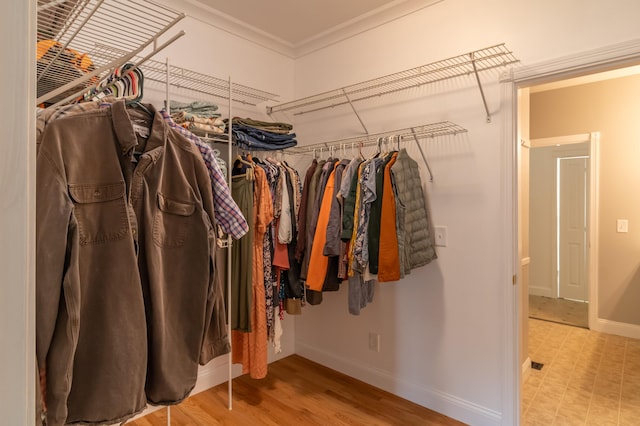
558,228
608,104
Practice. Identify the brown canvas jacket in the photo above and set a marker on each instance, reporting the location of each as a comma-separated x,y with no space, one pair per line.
124,276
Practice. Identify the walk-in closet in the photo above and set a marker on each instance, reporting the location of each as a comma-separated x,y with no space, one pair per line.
273,212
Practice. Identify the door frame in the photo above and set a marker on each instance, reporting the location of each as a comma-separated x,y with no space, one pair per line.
596,60
18,388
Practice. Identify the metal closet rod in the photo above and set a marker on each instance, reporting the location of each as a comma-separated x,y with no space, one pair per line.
428,131
432,130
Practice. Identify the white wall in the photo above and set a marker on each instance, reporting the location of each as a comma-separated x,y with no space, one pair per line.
543,277
442,329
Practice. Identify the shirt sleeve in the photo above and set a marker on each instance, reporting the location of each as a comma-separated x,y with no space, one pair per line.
227,212
54,224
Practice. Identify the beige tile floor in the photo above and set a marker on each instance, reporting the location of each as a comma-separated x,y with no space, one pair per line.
588,378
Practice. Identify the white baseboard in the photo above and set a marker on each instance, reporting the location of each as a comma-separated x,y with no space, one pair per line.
617,328
434,399
526,369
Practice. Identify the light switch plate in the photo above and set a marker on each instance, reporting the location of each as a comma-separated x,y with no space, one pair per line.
622,225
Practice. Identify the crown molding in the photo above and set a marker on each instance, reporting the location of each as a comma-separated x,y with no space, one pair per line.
368,21
210,16
373,19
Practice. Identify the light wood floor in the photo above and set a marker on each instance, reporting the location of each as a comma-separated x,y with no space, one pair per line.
297,392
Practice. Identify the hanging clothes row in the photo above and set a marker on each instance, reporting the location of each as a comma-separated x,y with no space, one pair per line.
362,220
265,273
129,293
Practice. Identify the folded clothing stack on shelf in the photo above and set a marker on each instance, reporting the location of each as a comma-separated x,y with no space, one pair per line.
200,118
256,135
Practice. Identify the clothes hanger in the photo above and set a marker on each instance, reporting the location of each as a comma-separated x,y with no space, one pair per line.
242,167
136,84
379,148
387,145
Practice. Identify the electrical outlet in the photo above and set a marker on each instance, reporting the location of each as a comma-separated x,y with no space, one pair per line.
441,236
374,342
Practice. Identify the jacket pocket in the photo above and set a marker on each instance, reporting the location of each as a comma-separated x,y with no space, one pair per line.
101,212
171,221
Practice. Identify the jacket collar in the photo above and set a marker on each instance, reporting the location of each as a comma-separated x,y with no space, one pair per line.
123,127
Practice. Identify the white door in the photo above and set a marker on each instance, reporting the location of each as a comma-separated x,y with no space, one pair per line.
545,199
572,228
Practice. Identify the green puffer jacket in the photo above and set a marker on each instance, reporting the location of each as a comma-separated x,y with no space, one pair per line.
415,242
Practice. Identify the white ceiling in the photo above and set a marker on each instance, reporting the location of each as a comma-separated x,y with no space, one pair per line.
297,27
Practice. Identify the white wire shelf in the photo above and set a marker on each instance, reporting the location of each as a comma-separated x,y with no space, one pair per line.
462,65
128,26
442,128
183,78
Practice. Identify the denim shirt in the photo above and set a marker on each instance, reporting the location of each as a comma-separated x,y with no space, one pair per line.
125,251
